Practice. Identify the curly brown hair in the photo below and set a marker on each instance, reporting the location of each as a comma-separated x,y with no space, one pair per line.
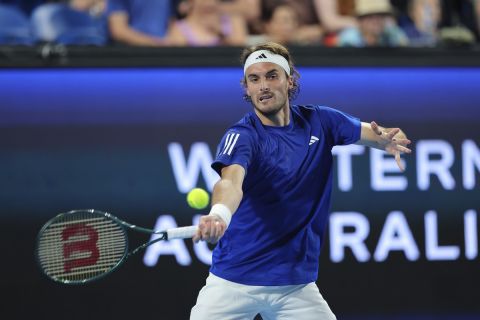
277,49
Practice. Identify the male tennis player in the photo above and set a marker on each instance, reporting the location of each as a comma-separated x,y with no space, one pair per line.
271,205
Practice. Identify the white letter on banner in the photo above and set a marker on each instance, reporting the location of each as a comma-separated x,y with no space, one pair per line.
433,250
339,239
470,161
471,234
174,247
203,253
344,161
440,167
379,165
186,172
396,235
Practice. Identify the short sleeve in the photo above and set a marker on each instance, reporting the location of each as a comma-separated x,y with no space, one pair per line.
343,128
116,5
236,147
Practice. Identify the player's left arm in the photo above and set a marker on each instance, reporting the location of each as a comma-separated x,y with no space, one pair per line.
392,140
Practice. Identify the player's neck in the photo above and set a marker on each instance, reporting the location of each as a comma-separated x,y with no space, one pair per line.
280,118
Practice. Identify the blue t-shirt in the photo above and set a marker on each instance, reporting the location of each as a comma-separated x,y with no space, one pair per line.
275,235
147,16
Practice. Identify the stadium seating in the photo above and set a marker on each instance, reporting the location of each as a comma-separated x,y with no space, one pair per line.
14,26
59,23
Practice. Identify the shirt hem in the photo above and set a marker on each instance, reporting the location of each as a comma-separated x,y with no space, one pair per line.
257,282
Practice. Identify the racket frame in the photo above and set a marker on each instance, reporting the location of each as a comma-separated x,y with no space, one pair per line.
124,226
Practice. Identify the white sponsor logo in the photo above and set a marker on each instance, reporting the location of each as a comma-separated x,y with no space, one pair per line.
433,164
348,235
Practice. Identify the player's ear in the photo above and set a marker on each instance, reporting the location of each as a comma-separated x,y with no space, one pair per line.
290,82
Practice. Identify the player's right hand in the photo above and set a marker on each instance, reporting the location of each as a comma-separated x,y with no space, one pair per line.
211,228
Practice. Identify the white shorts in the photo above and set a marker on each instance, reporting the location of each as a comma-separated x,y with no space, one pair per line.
221,299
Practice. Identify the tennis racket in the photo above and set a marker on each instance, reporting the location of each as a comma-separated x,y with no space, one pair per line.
80,246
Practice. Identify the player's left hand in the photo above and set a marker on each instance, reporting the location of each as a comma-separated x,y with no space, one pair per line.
394,142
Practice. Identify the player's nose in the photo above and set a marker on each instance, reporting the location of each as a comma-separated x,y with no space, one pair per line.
264,86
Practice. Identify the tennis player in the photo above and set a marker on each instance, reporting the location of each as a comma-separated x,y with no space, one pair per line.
271,205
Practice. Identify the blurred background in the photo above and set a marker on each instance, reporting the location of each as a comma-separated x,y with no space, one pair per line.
119,106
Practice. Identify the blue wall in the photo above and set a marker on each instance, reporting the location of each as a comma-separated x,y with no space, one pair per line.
101,138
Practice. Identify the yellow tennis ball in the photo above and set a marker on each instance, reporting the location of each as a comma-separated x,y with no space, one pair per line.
198,198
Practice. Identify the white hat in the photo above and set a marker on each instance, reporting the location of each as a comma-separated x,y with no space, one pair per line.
367,7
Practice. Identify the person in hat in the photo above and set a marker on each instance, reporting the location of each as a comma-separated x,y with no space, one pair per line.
376,27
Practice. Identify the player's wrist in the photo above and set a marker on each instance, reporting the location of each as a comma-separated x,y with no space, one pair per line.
221,211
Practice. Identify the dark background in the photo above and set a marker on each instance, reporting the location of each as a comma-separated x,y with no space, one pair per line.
84,131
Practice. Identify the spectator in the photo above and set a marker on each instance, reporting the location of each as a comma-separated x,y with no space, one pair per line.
309,30
140,22
64,23
330,19
250,10
335,16
282,26
376,27
96,8
319,18
420,24
459,22
206,25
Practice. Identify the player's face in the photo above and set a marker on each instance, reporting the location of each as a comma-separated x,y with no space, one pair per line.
268,85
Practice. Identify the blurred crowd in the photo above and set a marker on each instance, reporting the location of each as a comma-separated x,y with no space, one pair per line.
343,23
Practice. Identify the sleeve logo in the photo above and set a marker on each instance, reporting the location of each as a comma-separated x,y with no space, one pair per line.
230,142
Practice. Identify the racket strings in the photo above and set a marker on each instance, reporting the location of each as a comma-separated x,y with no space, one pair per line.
81,246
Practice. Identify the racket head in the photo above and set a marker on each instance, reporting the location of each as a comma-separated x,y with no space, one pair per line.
81,246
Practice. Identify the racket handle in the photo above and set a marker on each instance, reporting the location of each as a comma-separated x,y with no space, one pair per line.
181,233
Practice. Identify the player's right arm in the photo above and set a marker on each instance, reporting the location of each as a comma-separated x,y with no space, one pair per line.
227,194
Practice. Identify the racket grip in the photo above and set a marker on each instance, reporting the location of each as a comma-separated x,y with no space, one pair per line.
181,233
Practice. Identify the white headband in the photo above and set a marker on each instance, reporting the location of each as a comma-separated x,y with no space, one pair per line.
266,56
